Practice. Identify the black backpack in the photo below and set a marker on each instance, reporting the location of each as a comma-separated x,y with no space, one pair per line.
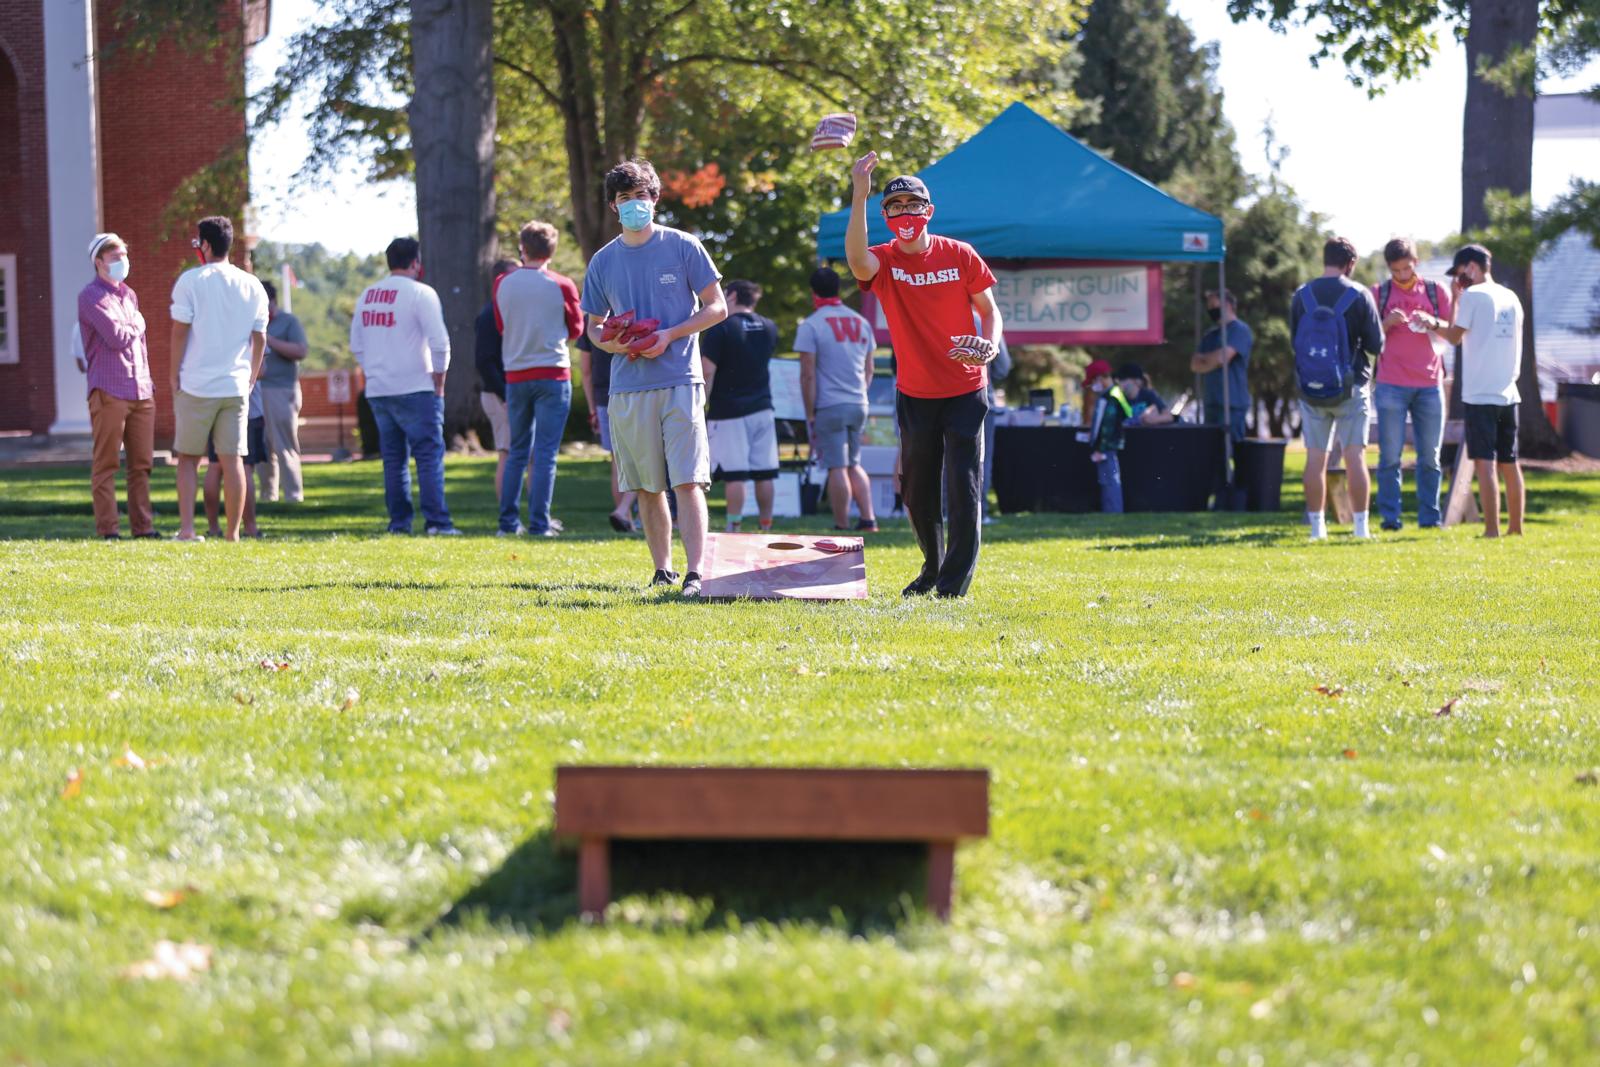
1387,287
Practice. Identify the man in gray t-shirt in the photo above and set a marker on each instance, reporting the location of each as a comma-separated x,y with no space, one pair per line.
835,346
280,402
657,408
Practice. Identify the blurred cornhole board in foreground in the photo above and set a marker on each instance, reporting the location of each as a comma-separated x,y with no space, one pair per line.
784,567
595,805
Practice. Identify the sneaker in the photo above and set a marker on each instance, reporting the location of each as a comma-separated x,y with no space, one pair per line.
111,537
443,531
551,531
664,578
190,540
620,523
867,526
1390,525
691,585
150,535
399,531
558,526
518,532
922,586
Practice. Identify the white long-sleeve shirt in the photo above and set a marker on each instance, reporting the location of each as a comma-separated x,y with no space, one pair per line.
398,337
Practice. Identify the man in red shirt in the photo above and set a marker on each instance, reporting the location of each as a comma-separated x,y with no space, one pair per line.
929,287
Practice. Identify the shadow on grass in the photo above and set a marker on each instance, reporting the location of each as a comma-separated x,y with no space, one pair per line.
857,887
1258,538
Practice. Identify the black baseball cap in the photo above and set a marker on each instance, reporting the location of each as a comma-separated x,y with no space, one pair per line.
907,184
1129,370
1469,254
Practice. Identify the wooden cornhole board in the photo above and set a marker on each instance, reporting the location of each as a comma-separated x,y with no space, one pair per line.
936,807
784,567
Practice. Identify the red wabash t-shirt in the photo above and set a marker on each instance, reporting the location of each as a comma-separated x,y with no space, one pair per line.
927,299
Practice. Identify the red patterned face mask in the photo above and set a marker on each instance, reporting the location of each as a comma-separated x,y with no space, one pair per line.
907,228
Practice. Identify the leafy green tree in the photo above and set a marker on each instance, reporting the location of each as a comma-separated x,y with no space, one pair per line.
1379,40
330,285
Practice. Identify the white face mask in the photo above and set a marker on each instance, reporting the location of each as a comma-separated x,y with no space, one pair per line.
118,269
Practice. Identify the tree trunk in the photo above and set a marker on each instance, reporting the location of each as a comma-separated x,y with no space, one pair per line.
1497,153
452,117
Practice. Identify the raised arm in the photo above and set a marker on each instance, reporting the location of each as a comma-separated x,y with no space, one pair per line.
863,264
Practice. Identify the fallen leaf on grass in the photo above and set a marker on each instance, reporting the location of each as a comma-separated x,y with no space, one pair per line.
274,665
178,961
1448,708
130,759
166,899
352,696
1329,691
515,556
1257,815
1349,753
241,697
74,783
1591,777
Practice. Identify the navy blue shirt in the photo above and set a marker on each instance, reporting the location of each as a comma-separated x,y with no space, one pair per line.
741,347
1241,340
486,352
1361,322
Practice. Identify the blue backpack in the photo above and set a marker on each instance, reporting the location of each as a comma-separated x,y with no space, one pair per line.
1323,363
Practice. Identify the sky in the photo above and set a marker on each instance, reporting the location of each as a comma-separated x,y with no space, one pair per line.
1346,157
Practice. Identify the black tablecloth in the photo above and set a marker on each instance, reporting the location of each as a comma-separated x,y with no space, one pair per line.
1176,467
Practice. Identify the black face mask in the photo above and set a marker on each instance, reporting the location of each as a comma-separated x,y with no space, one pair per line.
1215,314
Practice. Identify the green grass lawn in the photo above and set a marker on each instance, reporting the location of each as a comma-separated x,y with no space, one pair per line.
1195,857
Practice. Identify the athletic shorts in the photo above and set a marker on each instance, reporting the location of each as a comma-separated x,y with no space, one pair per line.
1344,424
838,441
495,408
602,421
744,449
1491,431
659,438
217,421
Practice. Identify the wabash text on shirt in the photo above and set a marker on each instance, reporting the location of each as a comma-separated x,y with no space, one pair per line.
379,318
927,300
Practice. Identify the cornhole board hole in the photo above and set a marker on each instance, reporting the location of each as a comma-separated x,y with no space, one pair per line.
595,805
784,567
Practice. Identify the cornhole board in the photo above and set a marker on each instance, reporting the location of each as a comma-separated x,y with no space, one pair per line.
1461,503
595,805
784,567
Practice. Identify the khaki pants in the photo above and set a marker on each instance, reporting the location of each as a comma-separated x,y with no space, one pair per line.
281,408
118,425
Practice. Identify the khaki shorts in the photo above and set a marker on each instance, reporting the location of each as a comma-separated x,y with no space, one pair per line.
219,420
744,449
499,428
659,438
1344,424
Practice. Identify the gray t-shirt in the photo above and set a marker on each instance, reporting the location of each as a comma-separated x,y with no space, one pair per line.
843,343
277,372
656,280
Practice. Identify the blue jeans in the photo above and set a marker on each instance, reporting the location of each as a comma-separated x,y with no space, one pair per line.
1426,408
1109,472
411,426
536,413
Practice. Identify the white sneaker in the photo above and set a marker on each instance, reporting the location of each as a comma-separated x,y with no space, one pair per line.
443,531
518,532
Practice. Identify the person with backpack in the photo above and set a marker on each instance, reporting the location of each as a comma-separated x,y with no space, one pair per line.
1410,381
1337,335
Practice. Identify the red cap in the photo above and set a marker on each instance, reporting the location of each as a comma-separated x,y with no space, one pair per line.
1096,369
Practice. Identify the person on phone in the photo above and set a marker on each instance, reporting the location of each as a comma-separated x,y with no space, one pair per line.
929,288
1409,383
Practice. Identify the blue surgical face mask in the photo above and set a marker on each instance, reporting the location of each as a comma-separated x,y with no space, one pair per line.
118,269
636,214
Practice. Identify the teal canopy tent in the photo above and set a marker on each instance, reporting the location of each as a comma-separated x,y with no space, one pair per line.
1022,188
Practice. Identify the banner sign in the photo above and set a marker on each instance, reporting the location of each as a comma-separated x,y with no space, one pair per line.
1060,302
339,387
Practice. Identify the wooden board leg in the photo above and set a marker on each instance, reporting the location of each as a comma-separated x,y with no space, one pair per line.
1461,503
594,877
941,877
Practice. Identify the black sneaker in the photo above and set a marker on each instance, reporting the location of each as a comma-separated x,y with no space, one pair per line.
863,526
111,537
664,578
922,586
691,585
150,535
1390,525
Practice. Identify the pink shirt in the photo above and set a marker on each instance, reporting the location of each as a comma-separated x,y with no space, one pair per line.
1408,358
114,341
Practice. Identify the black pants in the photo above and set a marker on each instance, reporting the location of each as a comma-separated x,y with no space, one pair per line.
943,439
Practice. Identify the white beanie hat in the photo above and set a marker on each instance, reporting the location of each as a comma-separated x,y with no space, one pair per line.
101,240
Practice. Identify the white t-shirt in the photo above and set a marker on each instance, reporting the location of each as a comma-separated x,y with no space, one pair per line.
1491,351
398,336
223,306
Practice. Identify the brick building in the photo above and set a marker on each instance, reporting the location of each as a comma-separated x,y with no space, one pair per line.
94,138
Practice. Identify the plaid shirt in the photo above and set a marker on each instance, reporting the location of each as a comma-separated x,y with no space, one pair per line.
114,341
